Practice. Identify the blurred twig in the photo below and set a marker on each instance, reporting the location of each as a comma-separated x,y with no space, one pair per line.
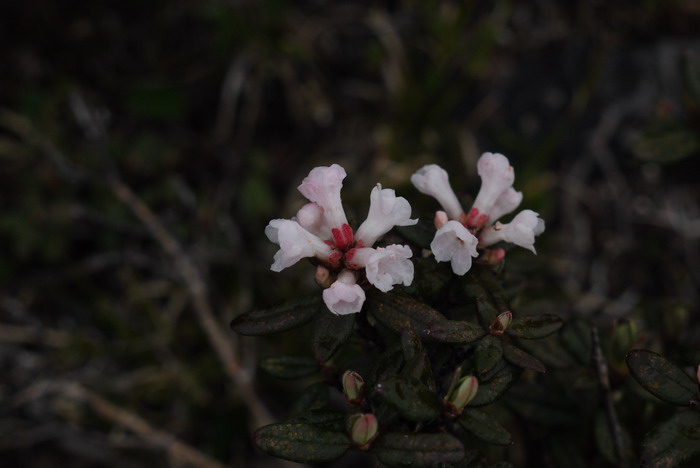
601,367
176,449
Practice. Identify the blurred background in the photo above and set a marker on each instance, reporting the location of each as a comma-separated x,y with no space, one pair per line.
144,146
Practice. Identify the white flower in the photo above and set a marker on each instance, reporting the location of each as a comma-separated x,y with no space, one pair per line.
344,296
310,217
497,176
506,203
295,243
433,180
386,210
454,243
322,186
384,267
520,231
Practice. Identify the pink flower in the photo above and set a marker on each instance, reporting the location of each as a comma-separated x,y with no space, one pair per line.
520,231
295,243
322,186
344,296
497,177
433,180
386,210
384,267
455,244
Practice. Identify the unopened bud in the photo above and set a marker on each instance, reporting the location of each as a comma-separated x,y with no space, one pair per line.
463,393
624,336
501,323
363,429
492,256
353,387
323,277
440,219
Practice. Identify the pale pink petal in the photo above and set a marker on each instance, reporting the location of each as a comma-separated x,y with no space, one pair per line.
311,218
520,231
387,266
295,243
506,203
344,296
386,210
433,180
455,244
497,176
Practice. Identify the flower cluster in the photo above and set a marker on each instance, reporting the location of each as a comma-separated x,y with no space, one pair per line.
459,235
321,231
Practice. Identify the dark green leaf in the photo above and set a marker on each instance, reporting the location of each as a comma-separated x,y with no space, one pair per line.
673,441
388,364
314,397
576,338
399,312
520,358
661,378
484,426
289,367
488,352
431,277
415,449
412,398
329,333
304,443
493,285
453,331
417,364
285,317
330,420
491,390
532,328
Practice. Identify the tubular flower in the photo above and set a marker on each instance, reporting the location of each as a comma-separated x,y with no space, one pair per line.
520,231
344,296
320,230
433,180
455,244
458,234
384,267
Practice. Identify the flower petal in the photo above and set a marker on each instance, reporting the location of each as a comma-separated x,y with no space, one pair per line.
344,296
433,180
295,243
386,210
455,244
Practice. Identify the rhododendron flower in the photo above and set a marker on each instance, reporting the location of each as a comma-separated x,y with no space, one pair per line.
459,235
320,230
520,231
344,296
455,244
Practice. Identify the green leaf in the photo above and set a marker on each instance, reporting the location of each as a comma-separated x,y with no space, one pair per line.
417,364
533,328
289,367
493,389
314,397
520,358
388,364
412,398
576,338
661,378
399,312
453,331
416,449
488,352
484,427
673,441
430,278
329,333
293,314
300,442
330,420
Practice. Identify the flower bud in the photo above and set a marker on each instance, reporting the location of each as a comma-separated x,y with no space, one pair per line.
501,323
353,386
363,429
464,392
323,277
